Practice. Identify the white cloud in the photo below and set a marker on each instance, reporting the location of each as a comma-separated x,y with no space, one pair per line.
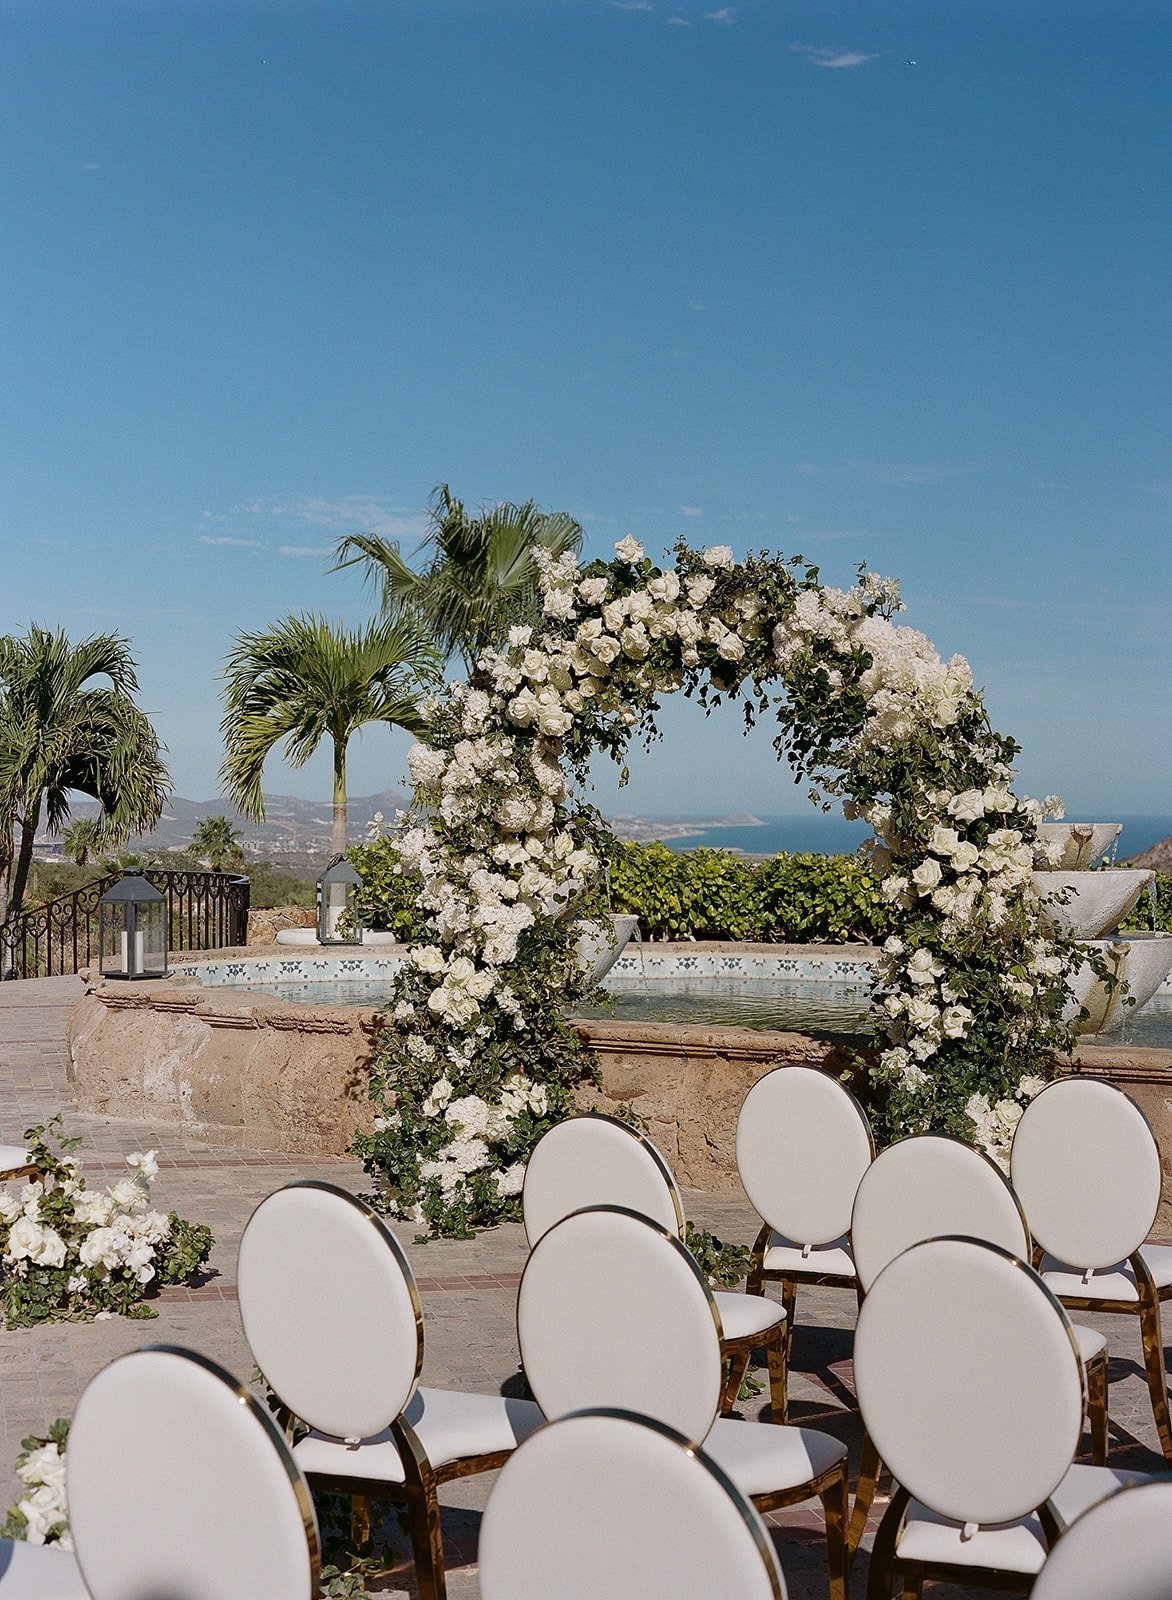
304,550
818,56
679,22
691,511
699,305
632,5
227,539
726,14
91,166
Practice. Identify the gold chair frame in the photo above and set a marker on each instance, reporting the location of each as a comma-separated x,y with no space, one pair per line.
418,1493
737,1352
886,1564
1096,1369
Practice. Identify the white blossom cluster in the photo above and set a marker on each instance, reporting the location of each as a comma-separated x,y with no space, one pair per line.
42,1503
995,1122
115,1229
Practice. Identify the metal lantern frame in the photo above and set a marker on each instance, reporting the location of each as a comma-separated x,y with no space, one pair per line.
337,898
132,929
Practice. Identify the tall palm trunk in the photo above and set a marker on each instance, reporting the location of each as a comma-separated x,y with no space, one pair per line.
24,860
338,840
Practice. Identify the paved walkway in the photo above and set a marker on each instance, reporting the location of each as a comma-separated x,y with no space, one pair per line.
469,1289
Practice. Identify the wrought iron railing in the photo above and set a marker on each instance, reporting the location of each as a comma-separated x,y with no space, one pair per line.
205,911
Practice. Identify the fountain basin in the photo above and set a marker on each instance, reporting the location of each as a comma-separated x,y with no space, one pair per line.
307,939
1082,843
1087,905
1142,961
600,944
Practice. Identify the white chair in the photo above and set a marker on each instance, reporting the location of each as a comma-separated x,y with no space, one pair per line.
14,1163
971,1386
607,1503
803,1144
614,1312
179,1483
1086,1167
333,1318
932,1184
1120,1548
594,1160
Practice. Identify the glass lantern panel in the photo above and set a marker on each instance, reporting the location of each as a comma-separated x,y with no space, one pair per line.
113,934
151,939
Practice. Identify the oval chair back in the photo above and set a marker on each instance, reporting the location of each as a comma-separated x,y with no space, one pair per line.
330,1309
613,1311
1121,1547
1086,1167
803,1144
179,1483
594,1160
969,1380
925,1186
606,1503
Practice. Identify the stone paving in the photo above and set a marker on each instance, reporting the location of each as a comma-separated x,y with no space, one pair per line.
468,1288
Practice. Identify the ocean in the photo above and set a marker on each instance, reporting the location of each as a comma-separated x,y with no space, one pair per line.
833,835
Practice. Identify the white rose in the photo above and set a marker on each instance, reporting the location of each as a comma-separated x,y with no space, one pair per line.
629,550
143,1164
943,841
923,967
927,875
731,648
969,806
665,589
719,556
46,1465
965,855
126,1192
593,590
428,958
24,1239
955,1020
50,1252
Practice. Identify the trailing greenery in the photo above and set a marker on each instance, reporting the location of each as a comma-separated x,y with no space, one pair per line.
389,898
713,894
724,1265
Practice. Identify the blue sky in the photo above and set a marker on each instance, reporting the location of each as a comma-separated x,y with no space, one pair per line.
883,282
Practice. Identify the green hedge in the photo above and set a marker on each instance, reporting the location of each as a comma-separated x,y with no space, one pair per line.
1141,917
710,894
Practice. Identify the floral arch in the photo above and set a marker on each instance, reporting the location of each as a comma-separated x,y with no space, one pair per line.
480,1059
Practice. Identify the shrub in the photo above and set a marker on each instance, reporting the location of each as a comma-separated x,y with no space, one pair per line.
388,899
712,894
1141,916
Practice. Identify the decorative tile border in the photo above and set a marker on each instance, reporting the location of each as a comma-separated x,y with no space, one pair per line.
639,963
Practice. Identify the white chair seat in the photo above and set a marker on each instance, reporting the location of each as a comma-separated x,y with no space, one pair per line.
783,1255
1090,1342
13,1157
1013,1546
743,1314
761,1458
450,1426
39,1572
1108,1283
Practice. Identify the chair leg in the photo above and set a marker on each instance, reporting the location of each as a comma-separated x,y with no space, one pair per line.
835,1502
427,1542
779,1356
738,1366
913,1588
1097,1407
882,1573
360,1521
870,1468
1153,1343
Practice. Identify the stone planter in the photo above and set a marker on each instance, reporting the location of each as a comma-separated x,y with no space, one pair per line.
1087,905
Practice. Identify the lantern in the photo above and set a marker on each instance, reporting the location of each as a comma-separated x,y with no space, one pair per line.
132,929
338,921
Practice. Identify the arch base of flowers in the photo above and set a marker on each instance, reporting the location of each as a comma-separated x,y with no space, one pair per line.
478,1057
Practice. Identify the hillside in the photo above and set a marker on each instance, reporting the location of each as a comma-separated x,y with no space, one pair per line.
1159,857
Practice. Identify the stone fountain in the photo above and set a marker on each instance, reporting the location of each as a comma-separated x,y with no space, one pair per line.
1088,903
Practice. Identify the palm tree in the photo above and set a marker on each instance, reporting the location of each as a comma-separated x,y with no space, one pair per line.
60,730
304,680
81,839
217,841
481,577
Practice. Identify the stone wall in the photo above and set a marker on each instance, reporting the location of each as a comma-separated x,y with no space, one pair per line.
263,926
257,1072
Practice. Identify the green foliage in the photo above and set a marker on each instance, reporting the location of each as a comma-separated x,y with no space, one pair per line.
389,898
724,1265
712,894
277,886
1141,917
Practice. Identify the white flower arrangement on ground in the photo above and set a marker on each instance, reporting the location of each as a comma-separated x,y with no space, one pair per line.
972,989
41,1514
71,1252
